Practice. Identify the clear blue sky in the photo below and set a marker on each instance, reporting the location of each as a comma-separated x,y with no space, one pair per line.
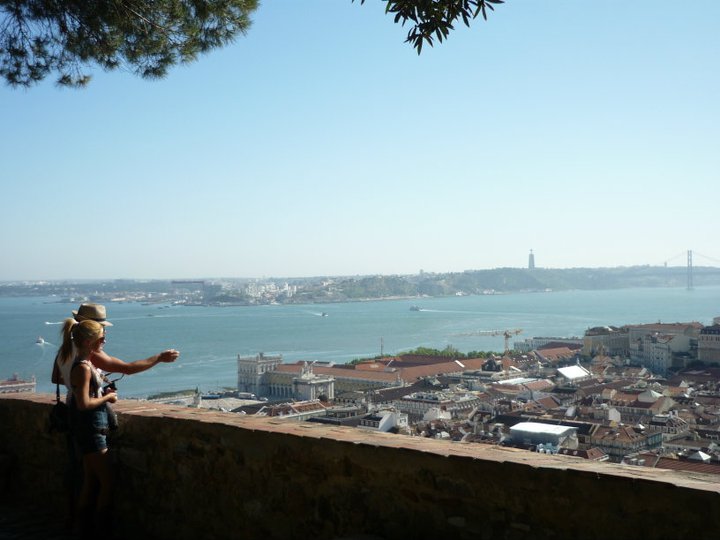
321,144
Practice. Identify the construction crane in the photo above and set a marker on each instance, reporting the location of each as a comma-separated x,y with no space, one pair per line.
507,334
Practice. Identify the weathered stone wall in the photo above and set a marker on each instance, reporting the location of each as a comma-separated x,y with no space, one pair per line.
188,473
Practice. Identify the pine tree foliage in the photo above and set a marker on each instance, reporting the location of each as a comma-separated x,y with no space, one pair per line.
147,37
434,19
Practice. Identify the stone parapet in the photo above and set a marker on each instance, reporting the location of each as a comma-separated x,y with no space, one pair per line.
191,473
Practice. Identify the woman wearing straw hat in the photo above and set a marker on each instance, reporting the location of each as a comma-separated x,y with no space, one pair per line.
101,359
87,404
77,365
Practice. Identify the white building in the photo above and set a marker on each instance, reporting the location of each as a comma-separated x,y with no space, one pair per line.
537,433
657,351
671,426
656,345
384,420
258,375
436,413
574,374
419,403
309,386
252,370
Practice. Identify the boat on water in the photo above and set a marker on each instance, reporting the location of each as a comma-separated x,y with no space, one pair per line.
414,308
323,314
40,340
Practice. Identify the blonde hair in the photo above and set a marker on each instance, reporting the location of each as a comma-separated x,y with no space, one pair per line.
75,333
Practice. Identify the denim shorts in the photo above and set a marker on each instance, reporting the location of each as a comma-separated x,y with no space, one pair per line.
89,429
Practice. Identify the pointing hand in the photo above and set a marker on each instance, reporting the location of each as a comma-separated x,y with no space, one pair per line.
169,355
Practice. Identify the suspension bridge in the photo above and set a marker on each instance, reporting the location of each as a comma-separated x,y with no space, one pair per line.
688,256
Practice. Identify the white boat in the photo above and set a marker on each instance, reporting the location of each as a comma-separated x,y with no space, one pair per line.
40,340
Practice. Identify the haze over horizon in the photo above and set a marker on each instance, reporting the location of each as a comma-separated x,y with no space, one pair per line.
287,276
320,144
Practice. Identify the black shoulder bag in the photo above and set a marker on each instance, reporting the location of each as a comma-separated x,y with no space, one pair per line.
59,419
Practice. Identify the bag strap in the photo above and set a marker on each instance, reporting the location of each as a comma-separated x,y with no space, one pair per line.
57,375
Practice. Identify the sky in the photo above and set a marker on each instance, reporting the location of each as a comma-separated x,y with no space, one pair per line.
321,144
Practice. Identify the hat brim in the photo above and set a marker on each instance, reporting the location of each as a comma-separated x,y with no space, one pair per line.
79,318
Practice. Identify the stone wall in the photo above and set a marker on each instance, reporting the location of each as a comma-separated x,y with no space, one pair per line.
189,473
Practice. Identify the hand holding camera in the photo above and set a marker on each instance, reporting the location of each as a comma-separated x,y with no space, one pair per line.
110,390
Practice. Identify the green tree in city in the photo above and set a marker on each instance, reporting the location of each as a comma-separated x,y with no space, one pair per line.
148,37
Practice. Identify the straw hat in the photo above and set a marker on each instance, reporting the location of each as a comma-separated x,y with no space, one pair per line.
94,312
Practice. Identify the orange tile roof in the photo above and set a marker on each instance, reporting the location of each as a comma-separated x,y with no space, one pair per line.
541,384
340,373
408,374
557,353
547,403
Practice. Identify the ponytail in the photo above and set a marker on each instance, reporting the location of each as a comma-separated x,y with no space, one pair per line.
66,349
75,335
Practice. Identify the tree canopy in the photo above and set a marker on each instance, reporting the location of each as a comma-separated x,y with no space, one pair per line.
434,19
148,37
40,37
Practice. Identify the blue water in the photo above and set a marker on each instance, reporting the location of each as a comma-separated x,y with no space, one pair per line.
210,338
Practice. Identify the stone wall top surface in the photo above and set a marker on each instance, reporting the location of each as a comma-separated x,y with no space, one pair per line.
492,453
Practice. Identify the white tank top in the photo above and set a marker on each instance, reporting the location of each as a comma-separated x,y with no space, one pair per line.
65,370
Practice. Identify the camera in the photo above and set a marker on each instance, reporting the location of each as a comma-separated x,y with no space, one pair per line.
112,415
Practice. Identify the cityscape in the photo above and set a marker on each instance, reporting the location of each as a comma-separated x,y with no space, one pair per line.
330,289
645,395
374,270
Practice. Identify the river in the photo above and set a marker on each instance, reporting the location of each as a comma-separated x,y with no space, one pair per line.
210,338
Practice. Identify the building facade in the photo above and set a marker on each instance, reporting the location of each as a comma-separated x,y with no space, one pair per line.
606,340
709,343
657,346
618,442
308,386
384,420
253,370
418,404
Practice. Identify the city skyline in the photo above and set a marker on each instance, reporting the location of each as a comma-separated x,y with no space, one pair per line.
483,280
321,144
